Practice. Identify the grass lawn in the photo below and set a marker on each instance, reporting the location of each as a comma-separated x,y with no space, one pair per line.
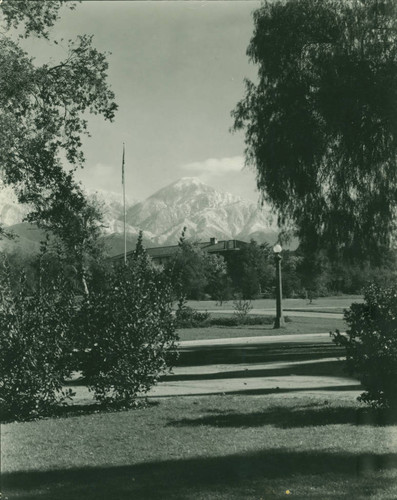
295,326
324,304
213,447
268,444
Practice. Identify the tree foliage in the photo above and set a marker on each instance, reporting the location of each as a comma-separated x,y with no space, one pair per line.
251,270
371,344
121,336
34,17
127,331
196,272
35,343
43,116
321,121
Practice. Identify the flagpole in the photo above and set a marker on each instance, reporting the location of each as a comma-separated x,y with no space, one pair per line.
123,182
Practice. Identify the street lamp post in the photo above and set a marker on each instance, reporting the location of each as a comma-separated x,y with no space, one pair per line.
279,322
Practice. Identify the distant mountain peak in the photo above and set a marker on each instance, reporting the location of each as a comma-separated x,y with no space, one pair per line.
204,210
180,186
188,181
105,196
188,189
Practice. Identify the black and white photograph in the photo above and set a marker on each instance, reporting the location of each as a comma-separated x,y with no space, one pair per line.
198,249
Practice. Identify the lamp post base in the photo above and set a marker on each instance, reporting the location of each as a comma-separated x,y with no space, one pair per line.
279,322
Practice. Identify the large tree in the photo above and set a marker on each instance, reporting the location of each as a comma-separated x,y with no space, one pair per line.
197,272
251,269
321,121
43,116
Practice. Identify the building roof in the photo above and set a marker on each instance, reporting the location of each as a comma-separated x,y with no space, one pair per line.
208,246
162,251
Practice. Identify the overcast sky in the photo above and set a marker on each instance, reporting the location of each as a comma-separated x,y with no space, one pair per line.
177,69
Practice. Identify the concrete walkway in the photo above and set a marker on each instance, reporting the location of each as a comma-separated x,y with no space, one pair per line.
270,366
311,338
276,365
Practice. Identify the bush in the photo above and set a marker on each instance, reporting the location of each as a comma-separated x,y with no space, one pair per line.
128,332
35,345
241,310
186,317
224,321
371,344
235,321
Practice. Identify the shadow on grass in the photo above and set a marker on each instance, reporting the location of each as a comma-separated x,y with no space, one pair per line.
256,353
229,476
286,418
75,410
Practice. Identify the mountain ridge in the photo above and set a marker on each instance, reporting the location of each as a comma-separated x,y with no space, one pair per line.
187,202
205,211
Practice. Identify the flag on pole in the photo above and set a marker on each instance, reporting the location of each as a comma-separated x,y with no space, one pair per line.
122,165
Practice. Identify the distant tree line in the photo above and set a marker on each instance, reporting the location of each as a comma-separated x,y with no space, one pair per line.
250,273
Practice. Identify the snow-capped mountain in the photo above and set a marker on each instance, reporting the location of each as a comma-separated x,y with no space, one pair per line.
28,236
111,205
188,202
11,212
203,210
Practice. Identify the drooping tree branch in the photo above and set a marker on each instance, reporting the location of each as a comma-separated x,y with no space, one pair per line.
321,122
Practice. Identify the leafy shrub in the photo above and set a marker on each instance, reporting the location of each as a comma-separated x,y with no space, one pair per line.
225,321
128,332
35,345
188,317
241,310
371,344
259,320
235,321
